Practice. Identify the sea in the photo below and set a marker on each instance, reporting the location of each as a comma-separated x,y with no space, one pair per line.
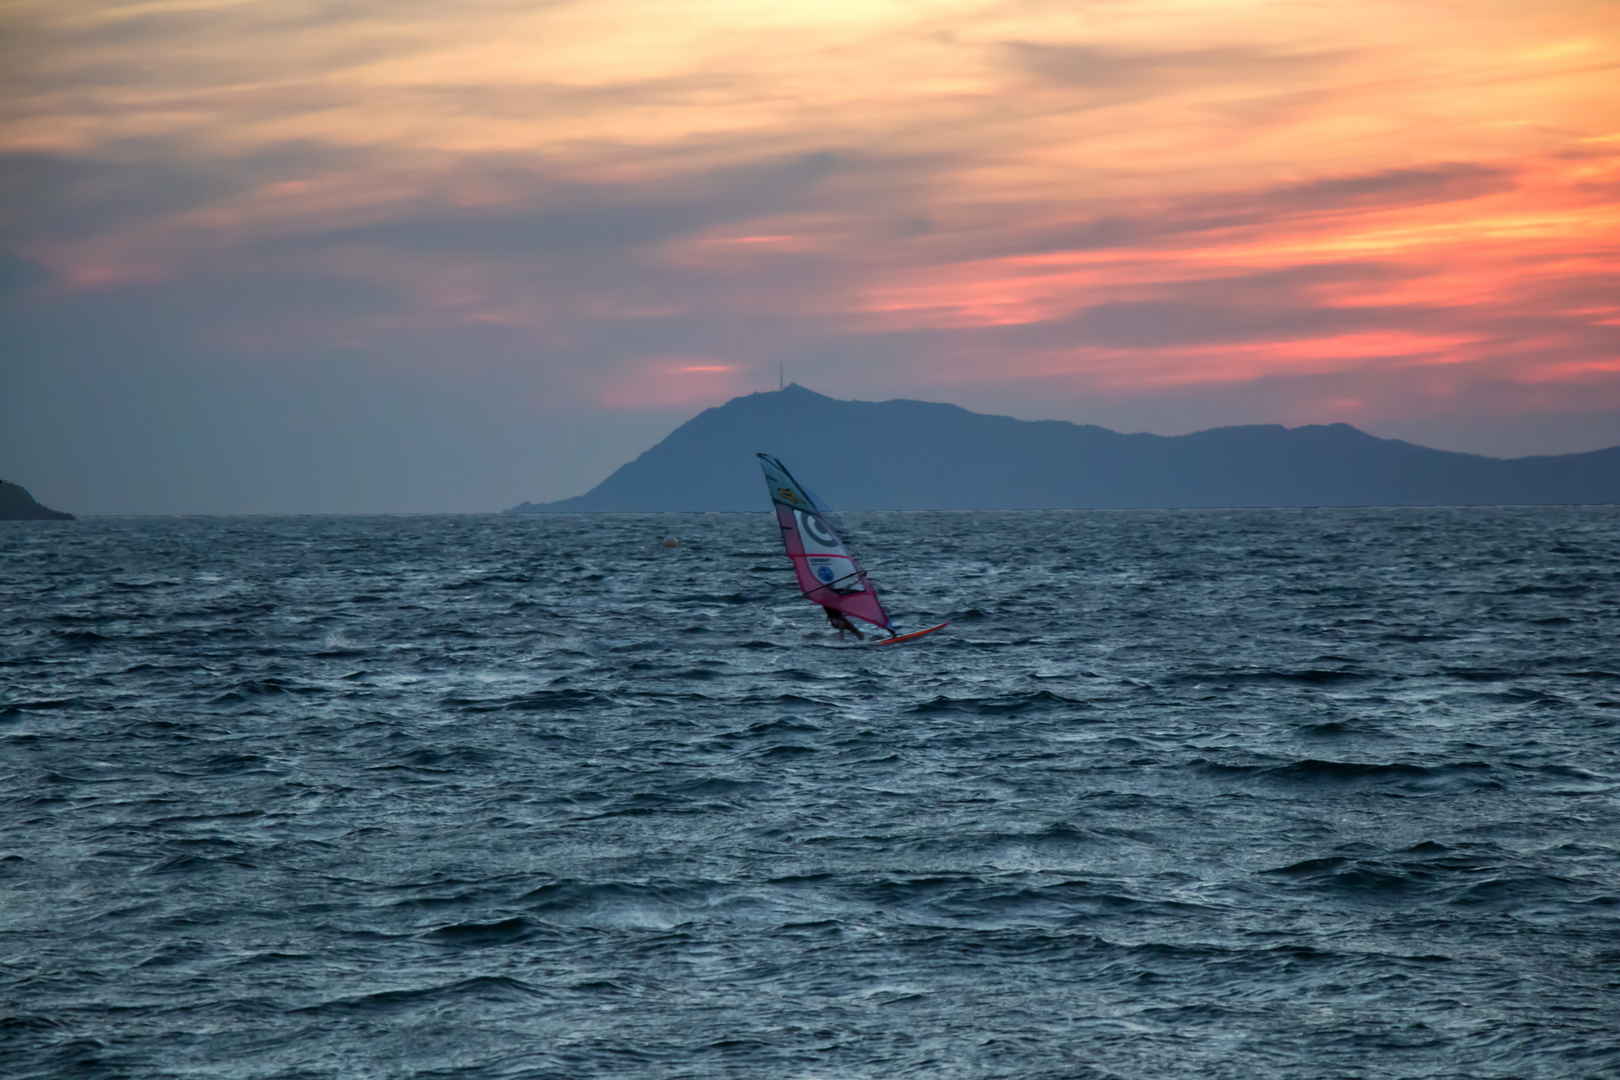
1184,793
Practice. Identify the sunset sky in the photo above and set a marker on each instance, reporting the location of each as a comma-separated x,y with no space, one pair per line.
345,255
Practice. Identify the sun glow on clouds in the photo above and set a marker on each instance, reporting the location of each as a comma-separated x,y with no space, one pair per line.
1101,198
665,381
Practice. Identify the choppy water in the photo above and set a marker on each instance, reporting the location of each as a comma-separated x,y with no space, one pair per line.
1216,794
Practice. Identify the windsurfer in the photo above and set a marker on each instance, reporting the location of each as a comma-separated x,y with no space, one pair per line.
837,621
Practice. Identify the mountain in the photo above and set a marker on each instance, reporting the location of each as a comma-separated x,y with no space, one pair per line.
17,505
914,455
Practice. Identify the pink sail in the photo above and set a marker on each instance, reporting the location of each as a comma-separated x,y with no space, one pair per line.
827,570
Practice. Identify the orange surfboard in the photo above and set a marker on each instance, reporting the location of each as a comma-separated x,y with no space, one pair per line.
913,636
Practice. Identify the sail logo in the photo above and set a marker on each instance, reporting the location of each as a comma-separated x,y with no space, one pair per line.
818,530
790,495
835,572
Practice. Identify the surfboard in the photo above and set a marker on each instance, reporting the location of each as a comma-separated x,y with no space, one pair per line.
913,636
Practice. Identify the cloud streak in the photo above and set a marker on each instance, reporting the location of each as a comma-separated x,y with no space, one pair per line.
1399,211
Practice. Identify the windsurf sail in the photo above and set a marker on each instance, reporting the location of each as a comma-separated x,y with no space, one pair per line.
826,566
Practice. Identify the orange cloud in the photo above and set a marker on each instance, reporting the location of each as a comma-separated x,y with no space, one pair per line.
672,381
643,208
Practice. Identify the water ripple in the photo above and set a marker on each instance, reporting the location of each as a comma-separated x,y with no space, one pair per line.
1242,794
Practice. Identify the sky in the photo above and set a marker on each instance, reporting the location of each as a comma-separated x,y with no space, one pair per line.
323,256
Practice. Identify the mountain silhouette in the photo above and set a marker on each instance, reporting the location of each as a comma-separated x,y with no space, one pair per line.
17,505
916,455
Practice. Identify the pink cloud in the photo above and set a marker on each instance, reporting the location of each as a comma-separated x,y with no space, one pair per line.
897,197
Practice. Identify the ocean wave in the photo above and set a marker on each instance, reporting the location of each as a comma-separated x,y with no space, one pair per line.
497,988
1340,802
483,935
1402,776
1033,701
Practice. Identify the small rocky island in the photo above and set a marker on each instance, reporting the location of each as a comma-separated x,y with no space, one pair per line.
17,505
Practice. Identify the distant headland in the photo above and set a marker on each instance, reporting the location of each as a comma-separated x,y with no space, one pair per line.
17,505
916,455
